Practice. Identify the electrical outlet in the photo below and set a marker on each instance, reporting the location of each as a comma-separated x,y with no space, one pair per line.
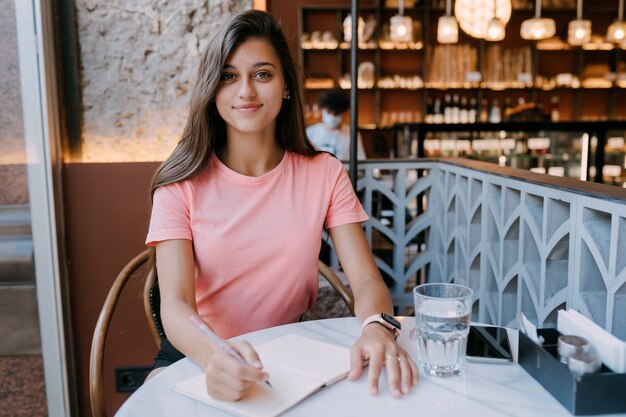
130,378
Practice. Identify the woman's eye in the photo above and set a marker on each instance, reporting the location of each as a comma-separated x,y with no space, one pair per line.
263,75
227,76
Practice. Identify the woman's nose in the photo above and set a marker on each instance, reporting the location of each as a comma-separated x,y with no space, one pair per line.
247,88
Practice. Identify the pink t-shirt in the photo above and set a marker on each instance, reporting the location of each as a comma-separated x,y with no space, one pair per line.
256,240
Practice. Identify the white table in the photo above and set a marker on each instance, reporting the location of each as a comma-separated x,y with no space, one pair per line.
484,390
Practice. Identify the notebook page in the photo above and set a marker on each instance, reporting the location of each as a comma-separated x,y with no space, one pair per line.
289,388
319,360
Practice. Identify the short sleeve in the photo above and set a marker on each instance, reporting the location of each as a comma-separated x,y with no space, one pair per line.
170,215
344,205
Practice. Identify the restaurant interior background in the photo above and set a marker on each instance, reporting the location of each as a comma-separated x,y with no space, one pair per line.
123,73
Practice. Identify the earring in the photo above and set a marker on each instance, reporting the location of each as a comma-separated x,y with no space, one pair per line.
288,97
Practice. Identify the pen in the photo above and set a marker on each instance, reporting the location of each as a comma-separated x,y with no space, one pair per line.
221,344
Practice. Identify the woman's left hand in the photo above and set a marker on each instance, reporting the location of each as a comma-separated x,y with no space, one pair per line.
378,345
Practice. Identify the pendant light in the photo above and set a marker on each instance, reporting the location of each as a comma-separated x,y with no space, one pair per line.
447,27
478,17
538,28
401,27
579,30
617,30
495,27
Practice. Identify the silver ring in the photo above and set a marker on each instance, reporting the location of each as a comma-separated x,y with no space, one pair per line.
393,357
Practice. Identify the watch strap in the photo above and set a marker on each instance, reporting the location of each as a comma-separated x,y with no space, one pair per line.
377,318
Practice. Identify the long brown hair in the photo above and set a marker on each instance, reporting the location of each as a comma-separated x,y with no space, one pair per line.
205,130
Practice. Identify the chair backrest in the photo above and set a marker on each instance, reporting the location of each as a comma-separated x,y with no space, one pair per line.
152,308
96,359
334,298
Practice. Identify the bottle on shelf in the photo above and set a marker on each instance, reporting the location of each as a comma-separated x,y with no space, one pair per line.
483,116
472,111
430,111
464,111
455,114
437,113
495,115
555,114
508,107
447,109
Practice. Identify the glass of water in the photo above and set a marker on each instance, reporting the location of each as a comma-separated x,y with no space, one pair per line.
442,318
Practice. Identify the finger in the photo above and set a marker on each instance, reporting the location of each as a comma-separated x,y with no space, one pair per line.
356,363
232,384
406,374
223,393
392,364
376,365
415,373
240,370
248,353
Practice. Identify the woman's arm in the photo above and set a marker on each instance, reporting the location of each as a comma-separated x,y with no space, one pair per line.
371,296
226,378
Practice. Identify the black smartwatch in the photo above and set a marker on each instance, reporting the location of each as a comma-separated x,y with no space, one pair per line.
385,320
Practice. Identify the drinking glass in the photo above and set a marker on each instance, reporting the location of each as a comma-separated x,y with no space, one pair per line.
442,317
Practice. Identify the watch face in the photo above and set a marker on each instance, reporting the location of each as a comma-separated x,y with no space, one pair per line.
389,319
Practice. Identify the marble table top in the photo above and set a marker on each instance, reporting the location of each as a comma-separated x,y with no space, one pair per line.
484,390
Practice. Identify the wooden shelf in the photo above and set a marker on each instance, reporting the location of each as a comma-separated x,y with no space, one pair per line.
374,102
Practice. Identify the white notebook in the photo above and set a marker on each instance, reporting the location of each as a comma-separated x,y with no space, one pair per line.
297,366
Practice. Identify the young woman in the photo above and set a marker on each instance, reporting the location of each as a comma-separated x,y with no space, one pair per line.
238,212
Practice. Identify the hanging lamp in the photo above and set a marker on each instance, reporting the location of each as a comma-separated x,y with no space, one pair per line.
447,27
495,27
401,27
617,31
476,17
579,30
538,28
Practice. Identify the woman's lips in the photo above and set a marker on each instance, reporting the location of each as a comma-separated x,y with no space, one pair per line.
248,107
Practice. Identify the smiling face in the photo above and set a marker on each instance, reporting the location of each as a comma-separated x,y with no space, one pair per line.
251,89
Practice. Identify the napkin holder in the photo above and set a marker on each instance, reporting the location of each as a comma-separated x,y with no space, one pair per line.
598,393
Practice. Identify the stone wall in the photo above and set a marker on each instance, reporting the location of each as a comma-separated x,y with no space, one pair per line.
14,180
138,61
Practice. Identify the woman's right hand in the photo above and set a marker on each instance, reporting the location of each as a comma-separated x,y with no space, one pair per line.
228,379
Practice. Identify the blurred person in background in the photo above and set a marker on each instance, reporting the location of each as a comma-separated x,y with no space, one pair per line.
331,134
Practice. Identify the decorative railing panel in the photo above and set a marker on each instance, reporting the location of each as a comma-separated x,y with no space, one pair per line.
522,241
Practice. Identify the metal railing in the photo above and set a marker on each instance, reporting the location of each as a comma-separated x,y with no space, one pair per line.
523,241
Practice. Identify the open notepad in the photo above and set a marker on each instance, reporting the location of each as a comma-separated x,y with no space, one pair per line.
297,366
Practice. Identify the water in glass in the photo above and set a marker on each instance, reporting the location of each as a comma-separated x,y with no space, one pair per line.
442,319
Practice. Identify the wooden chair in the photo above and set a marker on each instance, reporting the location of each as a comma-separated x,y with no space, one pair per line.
152,305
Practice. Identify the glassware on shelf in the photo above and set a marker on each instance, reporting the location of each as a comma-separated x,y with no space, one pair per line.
319,83
411,82
316,40
365,75
347,28
329,40
305,41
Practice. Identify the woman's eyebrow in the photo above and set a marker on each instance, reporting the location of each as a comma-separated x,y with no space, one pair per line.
263,63
258,64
